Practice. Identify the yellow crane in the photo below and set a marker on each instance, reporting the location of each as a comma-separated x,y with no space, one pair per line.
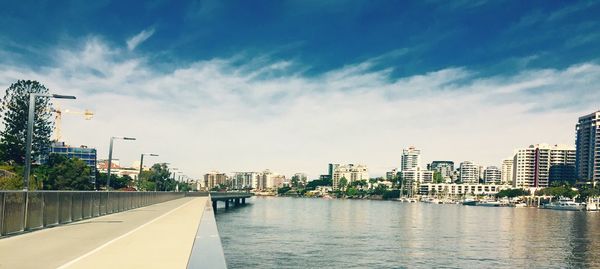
87,114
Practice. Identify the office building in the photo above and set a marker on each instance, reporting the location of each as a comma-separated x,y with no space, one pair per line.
460,190
507,171
492,175
350,172
469,172
88,155
588,147
391,175
214,179
445,168
244,180
300,179
413,178
537,165
411,158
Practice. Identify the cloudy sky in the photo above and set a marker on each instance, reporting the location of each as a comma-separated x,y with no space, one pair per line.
294,85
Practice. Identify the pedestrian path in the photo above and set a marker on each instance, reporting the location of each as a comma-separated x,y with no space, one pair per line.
156,236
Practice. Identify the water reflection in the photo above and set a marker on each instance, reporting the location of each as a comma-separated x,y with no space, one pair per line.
316,233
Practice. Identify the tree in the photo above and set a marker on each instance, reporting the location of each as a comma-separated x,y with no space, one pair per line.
586,192
14,109
67,174
564,191
161,176
283,190
318,182
11,182
342,183
511,193
437,177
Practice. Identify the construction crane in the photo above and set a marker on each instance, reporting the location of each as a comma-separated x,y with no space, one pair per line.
87,114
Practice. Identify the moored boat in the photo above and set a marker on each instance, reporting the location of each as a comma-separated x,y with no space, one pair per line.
565,204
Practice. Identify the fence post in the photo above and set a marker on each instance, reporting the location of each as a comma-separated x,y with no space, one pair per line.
25,211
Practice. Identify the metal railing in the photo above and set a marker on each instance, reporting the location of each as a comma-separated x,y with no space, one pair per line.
30,210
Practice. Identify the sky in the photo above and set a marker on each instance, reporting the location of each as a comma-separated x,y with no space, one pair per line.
294,85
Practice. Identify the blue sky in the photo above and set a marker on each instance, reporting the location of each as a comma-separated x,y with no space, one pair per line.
490,36
378,75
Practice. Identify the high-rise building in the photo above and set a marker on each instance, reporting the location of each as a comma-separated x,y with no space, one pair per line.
88,155
300,179
538,165
391,175
350,172
445,168
588,147
244,180
469,172
492,174
214,179
411,158
413,178
507,171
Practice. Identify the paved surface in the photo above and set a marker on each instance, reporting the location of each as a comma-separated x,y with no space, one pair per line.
156,236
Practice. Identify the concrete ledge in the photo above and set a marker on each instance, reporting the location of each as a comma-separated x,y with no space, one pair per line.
207,251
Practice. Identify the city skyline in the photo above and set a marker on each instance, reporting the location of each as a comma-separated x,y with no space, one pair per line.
209,90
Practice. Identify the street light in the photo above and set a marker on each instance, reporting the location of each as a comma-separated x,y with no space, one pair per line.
30,123
110,158
142,165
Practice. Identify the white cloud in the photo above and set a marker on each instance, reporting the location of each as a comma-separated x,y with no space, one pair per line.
135,40
220,115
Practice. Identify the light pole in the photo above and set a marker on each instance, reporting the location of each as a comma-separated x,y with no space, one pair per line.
142,165
110,157
30,123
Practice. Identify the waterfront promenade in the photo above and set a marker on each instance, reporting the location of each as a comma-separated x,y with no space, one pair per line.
156,236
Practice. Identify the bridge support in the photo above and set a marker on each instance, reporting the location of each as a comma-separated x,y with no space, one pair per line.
237,201
243,201
226,203
214,204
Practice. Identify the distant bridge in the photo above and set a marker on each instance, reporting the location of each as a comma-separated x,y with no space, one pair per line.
236,198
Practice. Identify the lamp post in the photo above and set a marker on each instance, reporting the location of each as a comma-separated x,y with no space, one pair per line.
30,123
142,165
110,157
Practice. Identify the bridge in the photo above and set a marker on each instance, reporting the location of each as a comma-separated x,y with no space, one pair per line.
53,229
228,198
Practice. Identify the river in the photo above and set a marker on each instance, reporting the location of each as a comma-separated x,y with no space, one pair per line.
277,232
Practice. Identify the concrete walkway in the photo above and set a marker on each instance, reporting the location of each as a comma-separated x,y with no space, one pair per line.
156,236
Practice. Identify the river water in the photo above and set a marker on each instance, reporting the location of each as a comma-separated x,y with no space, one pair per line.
277,232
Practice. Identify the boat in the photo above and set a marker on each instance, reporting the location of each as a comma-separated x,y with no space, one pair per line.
490,203
519,205
431,200
565,204
469,201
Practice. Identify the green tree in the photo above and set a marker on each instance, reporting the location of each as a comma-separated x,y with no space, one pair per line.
311,185
11,182
352,192
14,109
437,177
511,193
67,174
283,190
342,183
161,176
586,192
564,191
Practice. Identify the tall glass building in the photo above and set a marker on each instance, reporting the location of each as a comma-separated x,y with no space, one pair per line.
88,155
588,147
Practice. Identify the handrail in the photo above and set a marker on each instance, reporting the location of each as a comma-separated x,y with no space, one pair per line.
22,211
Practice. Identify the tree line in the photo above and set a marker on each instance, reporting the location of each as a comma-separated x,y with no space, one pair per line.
54,171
